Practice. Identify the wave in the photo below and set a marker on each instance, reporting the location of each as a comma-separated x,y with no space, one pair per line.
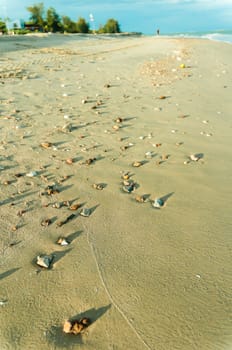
221,35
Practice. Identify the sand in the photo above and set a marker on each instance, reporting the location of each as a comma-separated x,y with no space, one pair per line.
147,278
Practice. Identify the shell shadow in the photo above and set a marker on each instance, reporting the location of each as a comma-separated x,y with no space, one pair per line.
57,255
166,197
59,339
93,314
199,155
9,272
73,236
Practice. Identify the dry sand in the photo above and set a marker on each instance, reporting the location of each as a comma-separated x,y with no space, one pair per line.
147,278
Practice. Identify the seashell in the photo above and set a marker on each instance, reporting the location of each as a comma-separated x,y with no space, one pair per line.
32,174
98,186
7,182
67,127
157,144
46,145
119,120
137,164
158,203
62,241
129,188
76,326
57,205
162,97
125,176
46,222
69,161
107,85
148,155
85,212
67,327
140,199
90,161
164,156
194,157
75,206
44,260
115,127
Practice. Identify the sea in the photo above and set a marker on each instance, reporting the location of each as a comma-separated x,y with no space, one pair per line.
220,35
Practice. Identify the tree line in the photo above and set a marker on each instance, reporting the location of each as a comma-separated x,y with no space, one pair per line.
50,21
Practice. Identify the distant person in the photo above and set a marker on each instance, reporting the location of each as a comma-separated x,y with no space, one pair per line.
158,32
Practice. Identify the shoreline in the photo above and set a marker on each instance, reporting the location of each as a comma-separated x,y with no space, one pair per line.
146,277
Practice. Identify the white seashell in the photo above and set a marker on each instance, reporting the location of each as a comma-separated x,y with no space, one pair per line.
194,158
44,261
31,174
158,203
85,212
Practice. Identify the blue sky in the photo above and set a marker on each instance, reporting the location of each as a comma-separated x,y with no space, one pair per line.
136,15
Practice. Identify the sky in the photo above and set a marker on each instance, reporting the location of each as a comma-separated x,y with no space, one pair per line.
170,16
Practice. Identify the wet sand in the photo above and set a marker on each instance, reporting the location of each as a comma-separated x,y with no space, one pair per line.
147,278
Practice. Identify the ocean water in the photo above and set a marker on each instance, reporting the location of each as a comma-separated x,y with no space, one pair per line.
220,35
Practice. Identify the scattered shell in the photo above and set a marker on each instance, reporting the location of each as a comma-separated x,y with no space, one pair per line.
194,157
76,326
46,222
62,241
90,161
3,302
148,155
115,127
98,186
75,206
85,212
158,203
67,327
125,176
67,127
137,164
140,199
44,260
119,120
162,97
32,174
57,205
128,187
69,161
46,144
164,156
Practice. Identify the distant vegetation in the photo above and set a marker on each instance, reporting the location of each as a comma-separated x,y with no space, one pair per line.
49,20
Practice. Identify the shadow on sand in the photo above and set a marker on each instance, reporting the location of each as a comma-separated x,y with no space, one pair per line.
59,339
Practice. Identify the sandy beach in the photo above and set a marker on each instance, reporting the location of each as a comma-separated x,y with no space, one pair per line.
107,126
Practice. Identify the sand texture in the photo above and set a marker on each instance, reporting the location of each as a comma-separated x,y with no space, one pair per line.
76,113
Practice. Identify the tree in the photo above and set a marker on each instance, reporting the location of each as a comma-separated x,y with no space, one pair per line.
3,27
37,12
53,20
111,26
68,25
82,26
